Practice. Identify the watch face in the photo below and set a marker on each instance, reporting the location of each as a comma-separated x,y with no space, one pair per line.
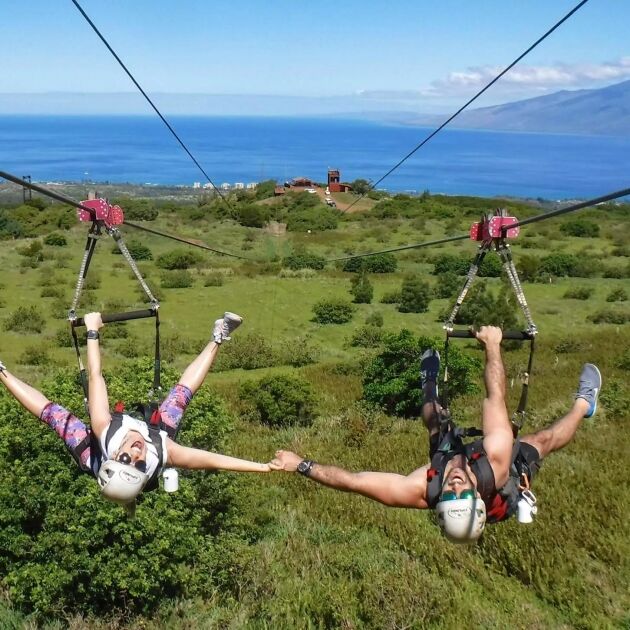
304,466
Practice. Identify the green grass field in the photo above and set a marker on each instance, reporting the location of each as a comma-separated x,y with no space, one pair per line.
315,558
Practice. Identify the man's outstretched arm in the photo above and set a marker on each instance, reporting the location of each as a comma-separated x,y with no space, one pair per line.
497,430
389,489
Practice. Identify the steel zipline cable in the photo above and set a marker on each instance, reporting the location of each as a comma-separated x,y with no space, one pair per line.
470,101
72,202
146,96
625,192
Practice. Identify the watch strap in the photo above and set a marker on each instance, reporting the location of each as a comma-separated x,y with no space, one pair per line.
305,467
92,334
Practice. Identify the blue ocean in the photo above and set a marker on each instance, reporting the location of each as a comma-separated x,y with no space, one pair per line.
140,150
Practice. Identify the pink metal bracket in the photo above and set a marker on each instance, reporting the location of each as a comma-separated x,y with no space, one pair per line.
493,227
103,211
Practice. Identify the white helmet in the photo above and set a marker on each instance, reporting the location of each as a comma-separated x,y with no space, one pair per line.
120,483
461,520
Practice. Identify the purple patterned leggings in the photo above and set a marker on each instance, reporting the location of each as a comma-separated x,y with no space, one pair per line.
73,431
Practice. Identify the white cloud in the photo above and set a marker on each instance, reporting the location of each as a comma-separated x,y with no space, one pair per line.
524,78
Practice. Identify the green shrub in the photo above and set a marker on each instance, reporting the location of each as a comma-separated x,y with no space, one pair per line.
298,351
491,266
617,295
304,260
138,250
391,297
178,259
580,228
528,267
567,346
367,337
25,319
415,295
56,292
137,209
279,401
379,263
452,263
247,352
361,289
178,279
390,380
333,312
609,316
55,239
34,251
578,293
448,285
624,362
558,264
616,271
213,280
63,338
52,514
34,355
251,215
375,319
314,219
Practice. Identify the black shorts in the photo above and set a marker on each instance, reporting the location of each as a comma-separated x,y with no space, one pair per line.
527,459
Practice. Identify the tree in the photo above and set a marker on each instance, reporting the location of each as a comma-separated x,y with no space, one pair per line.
362,289
415,295
390,380
360,186
332,312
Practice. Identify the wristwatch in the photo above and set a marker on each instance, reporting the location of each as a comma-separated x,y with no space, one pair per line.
92,334
305,467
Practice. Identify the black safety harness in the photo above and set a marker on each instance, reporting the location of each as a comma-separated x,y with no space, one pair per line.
492,232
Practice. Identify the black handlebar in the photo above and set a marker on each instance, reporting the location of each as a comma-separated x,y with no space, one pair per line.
118,317
521,335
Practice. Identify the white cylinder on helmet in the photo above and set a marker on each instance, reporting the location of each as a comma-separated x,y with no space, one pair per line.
461,520
120,483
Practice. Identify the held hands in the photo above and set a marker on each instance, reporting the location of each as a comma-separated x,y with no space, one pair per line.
93,321
489,335
285,460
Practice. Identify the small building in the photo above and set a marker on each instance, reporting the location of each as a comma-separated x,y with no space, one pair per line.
225,186
334,183
196,184
239,186
299,182
279,190
252,185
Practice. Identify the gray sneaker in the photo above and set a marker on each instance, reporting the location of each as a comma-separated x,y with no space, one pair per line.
224,327
429,367
589,386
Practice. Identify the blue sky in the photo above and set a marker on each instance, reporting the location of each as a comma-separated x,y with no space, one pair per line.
419,54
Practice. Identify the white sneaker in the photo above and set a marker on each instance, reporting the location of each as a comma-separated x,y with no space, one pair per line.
2,367
224,327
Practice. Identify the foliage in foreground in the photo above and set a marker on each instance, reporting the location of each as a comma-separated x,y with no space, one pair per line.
64,549
392,379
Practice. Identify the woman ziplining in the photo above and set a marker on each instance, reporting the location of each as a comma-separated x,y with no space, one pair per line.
126,455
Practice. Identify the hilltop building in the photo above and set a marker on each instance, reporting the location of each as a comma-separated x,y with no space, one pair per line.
334,183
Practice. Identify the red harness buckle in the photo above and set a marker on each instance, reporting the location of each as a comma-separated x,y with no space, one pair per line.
432,473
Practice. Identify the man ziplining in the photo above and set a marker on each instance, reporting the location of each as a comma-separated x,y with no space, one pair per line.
125,454
466,484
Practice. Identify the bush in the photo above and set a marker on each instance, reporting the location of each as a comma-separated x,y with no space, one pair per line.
25,319
415,296
298,352
379,263
63,338
56,292
580,228
55,239
34,251
34,355
446,263
610,316
616,271
374,319
178,259
367,337
304,260
361,289
448,285
578,293
138,250
251,215
50,520
314,219
179,279
390,380
137,209
392,297
213,280
528,267
279,401
617,295
247,352
491,266
332,312
558,265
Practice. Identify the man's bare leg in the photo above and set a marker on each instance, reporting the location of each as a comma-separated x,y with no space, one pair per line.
431,409
561,432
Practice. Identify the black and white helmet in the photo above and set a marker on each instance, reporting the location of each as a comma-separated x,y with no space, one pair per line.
119,482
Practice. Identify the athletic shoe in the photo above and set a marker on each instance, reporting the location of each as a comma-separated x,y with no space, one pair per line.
223,328
589,386
2,367
429,367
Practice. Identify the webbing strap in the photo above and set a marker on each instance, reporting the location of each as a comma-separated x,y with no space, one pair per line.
90,244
